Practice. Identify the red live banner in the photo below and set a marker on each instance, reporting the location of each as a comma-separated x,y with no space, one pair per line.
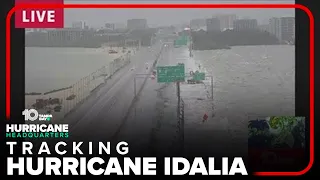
39,17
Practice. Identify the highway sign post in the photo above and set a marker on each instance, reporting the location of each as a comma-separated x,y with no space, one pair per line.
167,74
198,76
181,41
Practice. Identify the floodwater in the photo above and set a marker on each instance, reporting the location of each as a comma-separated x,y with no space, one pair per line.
47,69
248,82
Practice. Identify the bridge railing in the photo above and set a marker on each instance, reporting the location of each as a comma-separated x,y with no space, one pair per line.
81,90
61,102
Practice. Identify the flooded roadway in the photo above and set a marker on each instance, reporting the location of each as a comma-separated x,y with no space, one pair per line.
247,82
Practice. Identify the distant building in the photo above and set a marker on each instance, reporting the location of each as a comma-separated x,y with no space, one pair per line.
79,25
64,37
133,24
145,36
34,37
120,26
69,37
213,24
27,30
287,28
264,27
109,26
275,27
226,21
196,24
283,28
245,24
66,34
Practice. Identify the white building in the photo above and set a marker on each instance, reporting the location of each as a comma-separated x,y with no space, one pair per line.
283,28
245,24
275,27
287,28
226,21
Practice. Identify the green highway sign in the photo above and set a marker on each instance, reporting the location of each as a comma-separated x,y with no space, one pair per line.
170,73
181,41
199,76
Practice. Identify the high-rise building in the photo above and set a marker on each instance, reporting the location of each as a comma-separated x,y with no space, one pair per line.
245,24
78,25
137,24
283,28
275,27
197,24
213,24
226,21
287,28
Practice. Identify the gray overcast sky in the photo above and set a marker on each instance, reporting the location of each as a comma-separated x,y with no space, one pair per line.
98,17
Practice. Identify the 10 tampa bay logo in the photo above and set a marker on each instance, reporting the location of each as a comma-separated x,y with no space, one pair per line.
32,115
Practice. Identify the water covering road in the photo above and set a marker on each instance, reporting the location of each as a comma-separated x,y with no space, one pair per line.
152,125
101,114
246,80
